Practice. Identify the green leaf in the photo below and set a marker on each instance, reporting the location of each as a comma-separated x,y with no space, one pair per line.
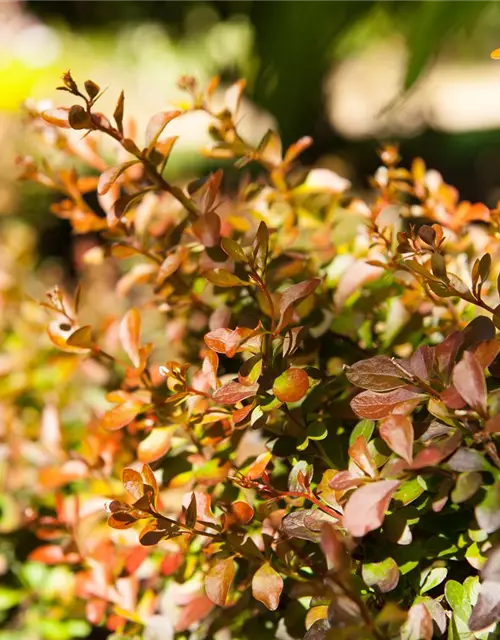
432,577
223,278
364,428
233,250
383,575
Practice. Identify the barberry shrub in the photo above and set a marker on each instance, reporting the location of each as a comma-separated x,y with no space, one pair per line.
299,437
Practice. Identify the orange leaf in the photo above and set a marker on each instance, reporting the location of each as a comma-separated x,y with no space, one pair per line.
267,586
219,579
130,329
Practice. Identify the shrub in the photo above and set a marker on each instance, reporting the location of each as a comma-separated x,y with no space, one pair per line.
300,434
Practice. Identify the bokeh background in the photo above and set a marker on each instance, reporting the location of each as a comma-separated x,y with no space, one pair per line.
351,74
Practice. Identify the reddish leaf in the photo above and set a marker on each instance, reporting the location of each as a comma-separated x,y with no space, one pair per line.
344,480
267,586
485,352
219,579
370,404
418,626
435,453
156,125
194,611
133,483
452,398
207,229
377,374
230,342
358,452
292,385
234,392
397,432
156,444
486,611
446,353
422,363
121,415
48,554
170,265
130,329
242,512
258,466
240,414
292,297
365,510
469,380
111,175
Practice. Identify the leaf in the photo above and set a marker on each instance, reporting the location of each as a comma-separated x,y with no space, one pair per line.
233,392
270,149
295,149
292,385
466,486
207,229
130,329
111,175
488,511
219,579
418,625
57,117
229,342
300,476
155,445
153,533
306,524
133,483
170,265
364,428
267,586
118,112
259,465
486,611
156,125
446,353
250,370
233,250
384,575
223,278
432,578
377,374
121,415
397,433
292,296
365,509
82,338
370,404
359,453
261,246
242,512
467,460
469,380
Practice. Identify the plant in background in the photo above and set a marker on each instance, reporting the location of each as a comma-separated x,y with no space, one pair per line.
288,397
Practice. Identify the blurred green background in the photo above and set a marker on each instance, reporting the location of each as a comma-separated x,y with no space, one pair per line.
351,74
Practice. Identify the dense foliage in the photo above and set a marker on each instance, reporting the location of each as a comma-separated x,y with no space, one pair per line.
286,396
